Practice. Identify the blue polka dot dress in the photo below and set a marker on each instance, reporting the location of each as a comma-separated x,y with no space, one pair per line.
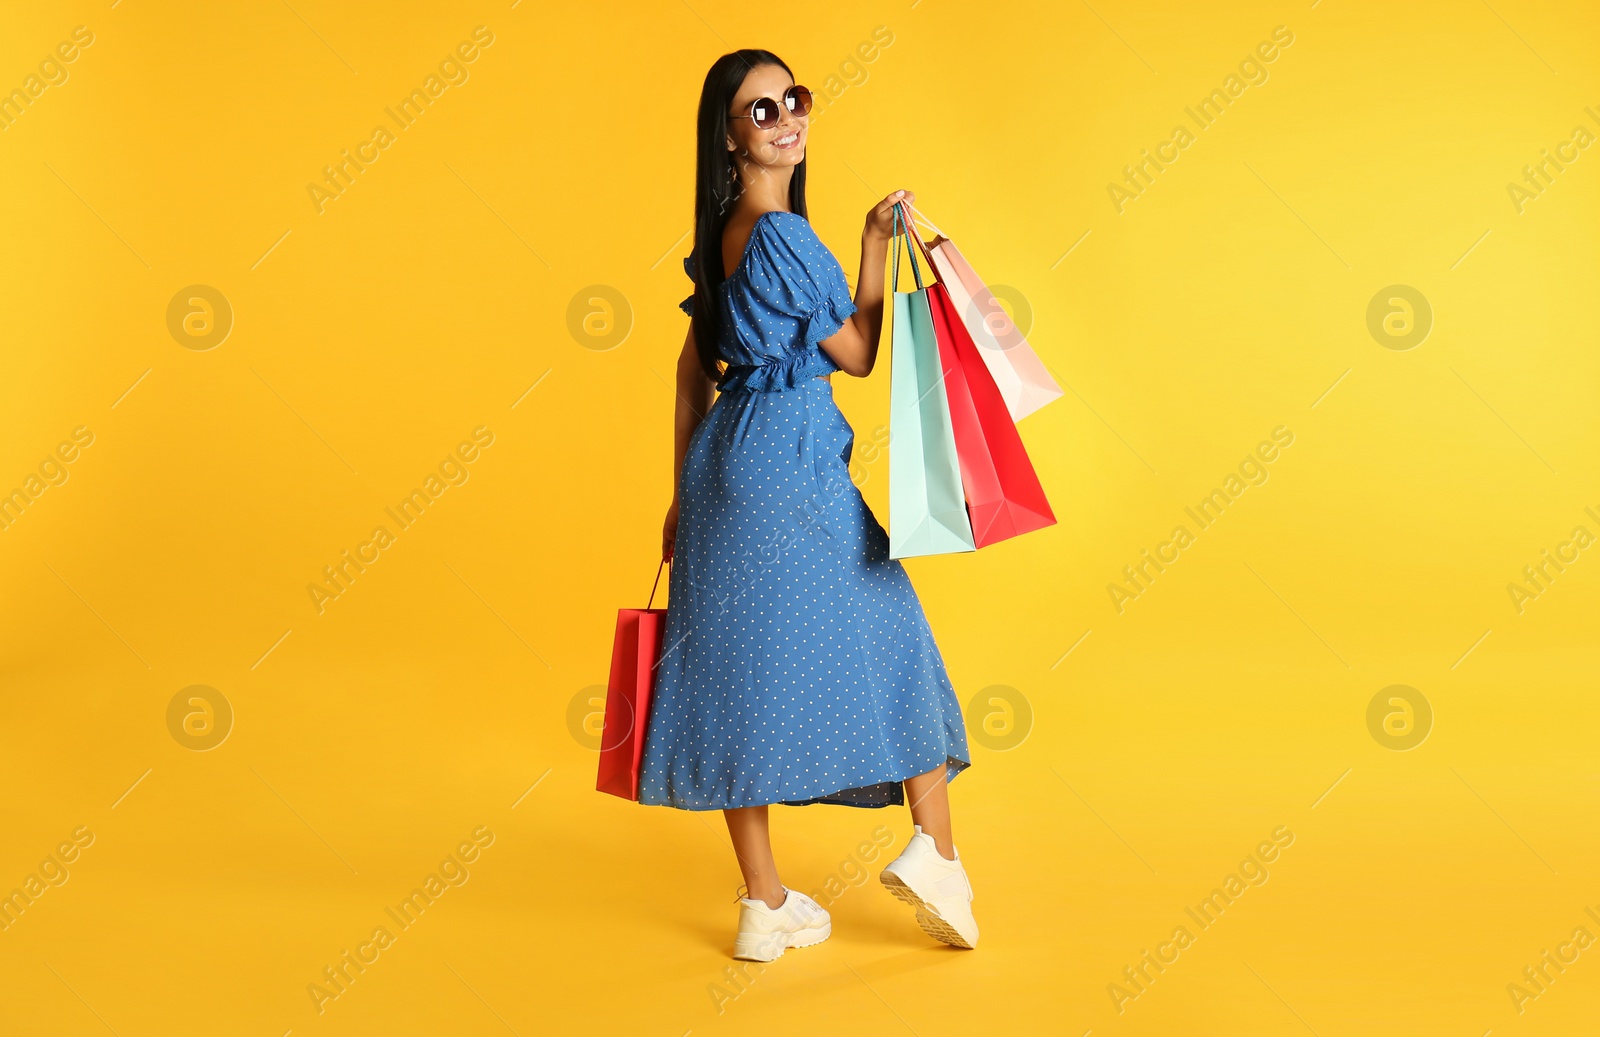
797,666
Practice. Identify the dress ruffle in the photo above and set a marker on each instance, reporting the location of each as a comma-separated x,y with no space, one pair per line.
687,305
829,319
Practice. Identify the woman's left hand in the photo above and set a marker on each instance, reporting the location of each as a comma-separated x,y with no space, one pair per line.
880,221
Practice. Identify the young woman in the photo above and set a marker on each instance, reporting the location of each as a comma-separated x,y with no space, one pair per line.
797,665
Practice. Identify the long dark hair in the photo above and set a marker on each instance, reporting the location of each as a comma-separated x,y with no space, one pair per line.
717,188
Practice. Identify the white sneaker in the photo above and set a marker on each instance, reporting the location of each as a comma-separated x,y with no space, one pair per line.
937,888
766,932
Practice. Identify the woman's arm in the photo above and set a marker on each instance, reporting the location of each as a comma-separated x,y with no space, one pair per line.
854,347
694,392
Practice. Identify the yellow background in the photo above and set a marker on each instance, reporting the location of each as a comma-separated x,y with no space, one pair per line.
370,338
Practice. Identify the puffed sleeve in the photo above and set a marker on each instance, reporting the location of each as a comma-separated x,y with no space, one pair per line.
796,274
687,305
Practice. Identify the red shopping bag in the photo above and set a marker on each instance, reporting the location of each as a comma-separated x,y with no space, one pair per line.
1004,497
634,654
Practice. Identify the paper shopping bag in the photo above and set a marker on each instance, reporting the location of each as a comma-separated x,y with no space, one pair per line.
1023,380
1003,494
634,653
927,509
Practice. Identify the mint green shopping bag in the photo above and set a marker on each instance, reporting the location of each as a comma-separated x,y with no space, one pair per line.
927,510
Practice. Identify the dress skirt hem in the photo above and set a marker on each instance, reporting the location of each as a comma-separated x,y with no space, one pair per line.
891,789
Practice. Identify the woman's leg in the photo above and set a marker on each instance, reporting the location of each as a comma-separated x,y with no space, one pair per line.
930,808
747,827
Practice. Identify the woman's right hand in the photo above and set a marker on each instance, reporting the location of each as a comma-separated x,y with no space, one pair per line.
669,530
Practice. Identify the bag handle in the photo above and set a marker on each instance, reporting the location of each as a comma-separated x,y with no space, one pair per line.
931,225
903,226
654,585
911,232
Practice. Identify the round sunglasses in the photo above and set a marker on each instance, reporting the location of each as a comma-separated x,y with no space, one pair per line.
765,113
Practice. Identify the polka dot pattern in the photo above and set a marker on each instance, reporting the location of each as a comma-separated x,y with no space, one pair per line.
797,665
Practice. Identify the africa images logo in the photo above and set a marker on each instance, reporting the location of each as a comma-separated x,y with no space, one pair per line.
340,175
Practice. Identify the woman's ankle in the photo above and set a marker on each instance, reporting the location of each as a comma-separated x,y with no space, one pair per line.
774,898
944,845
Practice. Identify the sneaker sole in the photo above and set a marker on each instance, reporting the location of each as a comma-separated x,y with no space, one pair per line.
771,947
927,915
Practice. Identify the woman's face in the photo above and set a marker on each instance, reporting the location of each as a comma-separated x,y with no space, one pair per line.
783,144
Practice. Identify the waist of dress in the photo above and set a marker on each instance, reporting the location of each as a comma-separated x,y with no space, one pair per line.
784,375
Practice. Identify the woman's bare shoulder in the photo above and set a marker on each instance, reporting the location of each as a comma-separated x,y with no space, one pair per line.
735,238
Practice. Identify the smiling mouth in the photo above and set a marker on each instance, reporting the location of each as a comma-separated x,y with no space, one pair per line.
787,142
